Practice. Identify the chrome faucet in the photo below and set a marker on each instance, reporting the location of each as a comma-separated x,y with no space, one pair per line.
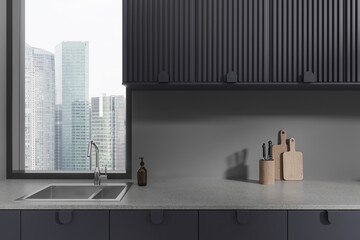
97,174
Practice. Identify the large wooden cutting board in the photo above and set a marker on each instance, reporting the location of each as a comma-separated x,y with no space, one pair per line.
293,163
277,151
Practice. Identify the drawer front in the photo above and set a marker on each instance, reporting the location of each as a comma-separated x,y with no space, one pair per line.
154,225
69,225
329,225
10,225
244,225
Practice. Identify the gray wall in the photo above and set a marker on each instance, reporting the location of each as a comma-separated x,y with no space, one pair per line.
2,89
212,134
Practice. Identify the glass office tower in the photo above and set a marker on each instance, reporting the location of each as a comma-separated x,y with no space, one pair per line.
108,130
72,93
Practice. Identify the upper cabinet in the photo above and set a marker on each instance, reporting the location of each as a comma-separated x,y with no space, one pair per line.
159,40
232,41
314,36
242,43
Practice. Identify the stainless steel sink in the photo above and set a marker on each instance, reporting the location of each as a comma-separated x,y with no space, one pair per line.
79,192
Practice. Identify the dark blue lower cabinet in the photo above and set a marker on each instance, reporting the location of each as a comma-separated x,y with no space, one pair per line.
10,225
243,225
329,225
179,225
64,225
153,225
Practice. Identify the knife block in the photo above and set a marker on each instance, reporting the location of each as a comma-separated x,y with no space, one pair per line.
266,172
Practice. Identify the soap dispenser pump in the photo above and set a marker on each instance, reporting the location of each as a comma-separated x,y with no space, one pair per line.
142,173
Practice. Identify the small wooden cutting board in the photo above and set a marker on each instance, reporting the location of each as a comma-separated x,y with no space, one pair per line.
293,163
277,151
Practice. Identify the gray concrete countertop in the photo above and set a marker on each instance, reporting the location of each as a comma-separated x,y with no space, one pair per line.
164,193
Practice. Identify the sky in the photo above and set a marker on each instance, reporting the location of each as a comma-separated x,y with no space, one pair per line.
49,22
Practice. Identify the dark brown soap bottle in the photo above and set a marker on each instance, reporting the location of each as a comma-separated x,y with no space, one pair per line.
142,173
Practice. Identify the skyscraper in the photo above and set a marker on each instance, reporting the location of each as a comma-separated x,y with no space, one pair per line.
39,109
72,92
58,133
108,130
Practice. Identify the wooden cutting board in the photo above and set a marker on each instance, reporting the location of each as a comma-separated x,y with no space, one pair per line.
293,163
277,151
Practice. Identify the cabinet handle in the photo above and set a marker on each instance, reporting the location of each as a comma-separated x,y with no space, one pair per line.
309,77
326,217
243,217
163,77
64,217
231,77
157,216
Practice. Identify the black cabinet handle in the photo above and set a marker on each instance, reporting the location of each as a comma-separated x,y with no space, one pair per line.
309,77
163,77
231,77
243,217
157,216
326,217
64,217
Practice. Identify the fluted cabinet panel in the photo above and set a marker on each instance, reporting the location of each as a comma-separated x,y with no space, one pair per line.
242,41
159,41
232,36
319,36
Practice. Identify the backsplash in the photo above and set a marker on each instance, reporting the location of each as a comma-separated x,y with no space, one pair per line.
219,133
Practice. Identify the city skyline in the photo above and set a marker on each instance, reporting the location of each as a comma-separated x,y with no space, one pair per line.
71,117
80,24
108,130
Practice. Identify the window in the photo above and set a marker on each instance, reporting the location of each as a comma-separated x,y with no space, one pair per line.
66,85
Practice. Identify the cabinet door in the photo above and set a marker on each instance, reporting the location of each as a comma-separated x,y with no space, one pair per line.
315,36
329,225
60,225
233,41
10,225
154,225
244,225
159,40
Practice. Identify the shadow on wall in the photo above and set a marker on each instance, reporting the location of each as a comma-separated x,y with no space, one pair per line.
177,106
236,166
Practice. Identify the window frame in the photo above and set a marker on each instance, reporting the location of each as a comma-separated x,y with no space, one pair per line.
15,74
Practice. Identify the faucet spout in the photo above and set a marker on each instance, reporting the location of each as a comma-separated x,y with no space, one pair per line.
89,148
97,172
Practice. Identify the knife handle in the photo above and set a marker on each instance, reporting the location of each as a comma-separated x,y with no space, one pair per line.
270,150
264,150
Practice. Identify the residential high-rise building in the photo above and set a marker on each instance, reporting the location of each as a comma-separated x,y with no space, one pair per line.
108,130
72,92
39,109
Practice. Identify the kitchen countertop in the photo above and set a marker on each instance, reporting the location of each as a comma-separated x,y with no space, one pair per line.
165,193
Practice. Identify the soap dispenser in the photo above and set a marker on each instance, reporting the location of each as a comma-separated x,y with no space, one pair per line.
142,173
